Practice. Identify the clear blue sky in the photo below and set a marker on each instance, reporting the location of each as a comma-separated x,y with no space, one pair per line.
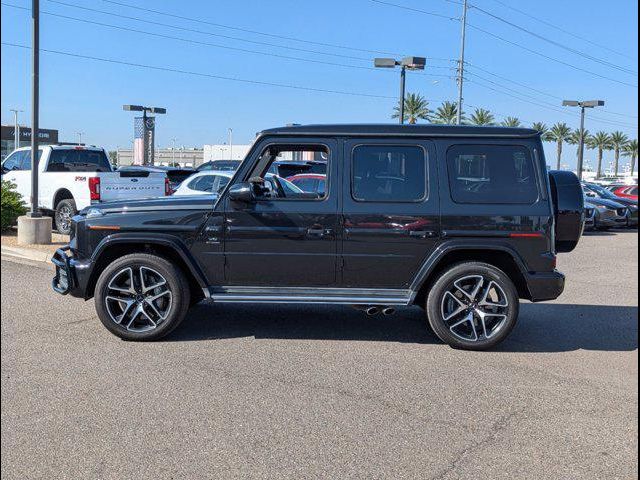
85,95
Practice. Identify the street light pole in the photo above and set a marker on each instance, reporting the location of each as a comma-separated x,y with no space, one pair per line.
231,144
461,65
583,106
34,211
410,63
79,137
16,128
403,81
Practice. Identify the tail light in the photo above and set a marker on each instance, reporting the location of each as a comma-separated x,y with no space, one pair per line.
167,187
94,188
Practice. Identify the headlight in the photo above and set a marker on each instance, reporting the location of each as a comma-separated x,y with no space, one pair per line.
94,212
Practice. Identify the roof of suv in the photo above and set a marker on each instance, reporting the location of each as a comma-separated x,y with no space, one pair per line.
403,130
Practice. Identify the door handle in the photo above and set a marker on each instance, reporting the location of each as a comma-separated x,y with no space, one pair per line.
422,233
318,232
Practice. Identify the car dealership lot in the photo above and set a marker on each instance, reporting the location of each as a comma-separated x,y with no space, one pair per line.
313,392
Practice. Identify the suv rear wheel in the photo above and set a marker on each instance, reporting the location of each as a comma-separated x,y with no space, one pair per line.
473,306
65,210
142,297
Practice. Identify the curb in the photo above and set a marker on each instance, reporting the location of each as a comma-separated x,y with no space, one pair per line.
25,254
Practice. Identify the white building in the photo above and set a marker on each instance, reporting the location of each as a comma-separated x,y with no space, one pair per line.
225,152
185,157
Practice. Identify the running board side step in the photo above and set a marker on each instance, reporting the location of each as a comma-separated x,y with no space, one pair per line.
336,296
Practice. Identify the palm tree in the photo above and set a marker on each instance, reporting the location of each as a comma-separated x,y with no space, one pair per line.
446,114
416,107
559,133
543,129
513,122
482,117
600,141
631,150
619,140
574,139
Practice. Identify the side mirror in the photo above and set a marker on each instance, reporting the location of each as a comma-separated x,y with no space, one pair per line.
241,192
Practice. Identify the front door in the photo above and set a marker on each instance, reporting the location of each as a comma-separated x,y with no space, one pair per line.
391,211
287,236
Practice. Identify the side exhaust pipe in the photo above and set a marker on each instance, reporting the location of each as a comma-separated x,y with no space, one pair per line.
372,311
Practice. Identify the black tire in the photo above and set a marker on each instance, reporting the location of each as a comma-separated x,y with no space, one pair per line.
175,282
446,283
65,209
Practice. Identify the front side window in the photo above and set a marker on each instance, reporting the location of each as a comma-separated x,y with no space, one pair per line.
278,163
383,173
492,174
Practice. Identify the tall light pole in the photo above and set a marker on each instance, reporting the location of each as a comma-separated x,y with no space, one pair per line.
80,137
16,128
173,152
34,211
461,64
407,63
231,144
583,107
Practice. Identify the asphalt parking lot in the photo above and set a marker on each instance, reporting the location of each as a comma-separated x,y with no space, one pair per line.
312,392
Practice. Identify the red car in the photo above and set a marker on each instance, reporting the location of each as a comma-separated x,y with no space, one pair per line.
630,192
310,182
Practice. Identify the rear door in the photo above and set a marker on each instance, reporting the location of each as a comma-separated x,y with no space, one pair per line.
390,211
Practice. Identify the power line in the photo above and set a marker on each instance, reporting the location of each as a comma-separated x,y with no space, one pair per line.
197,42
411,9
553,42
563,30
201,74
542,92
562,62
256,32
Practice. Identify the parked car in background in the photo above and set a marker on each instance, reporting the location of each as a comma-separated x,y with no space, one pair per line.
220,165
625,191
589,217
209,181
71,178
310,182
176,175
593,190
608,214
289,168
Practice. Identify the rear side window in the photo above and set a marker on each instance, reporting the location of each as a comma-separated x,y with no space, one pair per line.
78,161
385,173
203,183
492,174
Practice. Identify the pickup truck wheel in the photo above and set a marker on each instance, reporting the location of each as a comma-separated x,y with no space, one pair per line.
473,306
142,297
65,210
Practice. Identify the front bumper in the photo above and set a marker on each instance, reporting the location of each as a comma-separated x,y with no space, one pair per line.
71,275
545,286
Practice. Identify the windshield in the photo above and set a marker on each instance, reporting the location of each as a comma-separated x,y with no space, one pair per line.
601,191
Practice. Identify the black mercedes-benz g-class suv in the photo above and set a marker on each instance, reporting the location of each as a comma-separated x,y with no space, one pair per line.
463,221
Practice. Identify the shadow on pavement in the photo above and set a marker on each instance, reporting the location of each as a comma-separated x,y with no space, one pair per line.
542,327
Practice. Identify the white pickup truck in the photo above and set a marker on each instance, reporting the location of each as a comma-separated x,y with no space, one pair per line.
72,177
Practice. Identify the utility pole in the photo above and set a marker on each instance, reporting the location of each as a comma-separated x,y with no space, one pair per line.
16,131
35,100
461,62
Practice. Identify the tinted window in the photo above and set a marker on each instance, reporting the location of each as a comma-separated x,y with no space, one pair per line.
203,183
13,161
389,174
492,174
78,161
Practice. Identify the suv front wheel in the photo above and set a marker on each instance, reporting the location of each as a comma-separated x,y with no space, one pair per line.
142,297
473,306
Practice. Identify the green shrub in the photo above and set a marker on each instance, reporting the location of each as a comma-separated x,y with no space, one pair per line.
12,205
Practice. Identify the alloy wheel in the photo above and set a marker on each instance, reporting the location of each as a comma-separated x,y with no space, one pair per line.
138,299
475,308
63,218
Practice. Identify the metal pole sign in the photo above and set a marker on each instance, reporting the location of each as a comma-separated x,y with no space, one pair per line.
149,140
34,211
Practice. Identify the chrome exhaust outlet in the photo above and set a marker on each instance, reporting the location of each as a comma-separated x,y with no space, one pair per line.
388,311
372,311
